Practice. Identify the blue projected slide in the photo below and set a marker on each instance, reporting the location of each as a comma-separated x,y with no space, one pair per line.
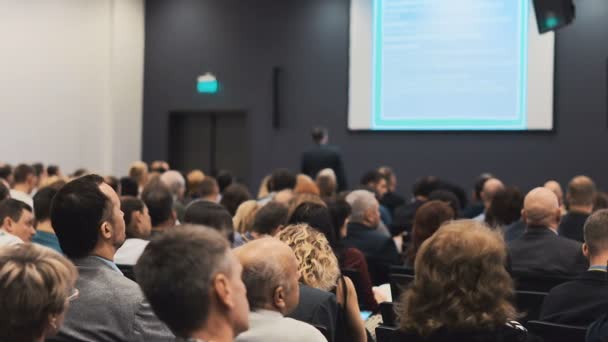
448,65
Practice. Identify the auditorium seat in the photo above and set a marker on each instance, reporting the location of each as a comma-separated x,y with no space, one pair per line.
401,270
355,277
385,333
552,332
127,271
387,310
538,284
399,282
529,303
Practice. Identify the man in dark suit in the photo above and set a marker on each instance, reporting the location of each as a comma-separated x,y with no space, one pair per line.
362,233
583,300
90,227
581,191
323,156
317,307
540,251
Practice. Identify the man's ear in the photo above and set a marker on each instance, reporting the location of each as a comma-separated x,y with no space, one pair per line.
106,230
7,224
221,288
278,298
585,248
524,217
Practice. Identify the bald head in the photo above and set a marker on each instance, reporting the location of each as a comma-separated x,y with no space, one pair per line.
556,189
270,273
541,208
581,190
490,188
175,182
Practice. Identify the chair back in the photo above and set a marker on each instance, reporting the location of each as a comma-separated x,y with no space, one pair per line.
553,332
385,333
529,303
127,271
399,283
389,317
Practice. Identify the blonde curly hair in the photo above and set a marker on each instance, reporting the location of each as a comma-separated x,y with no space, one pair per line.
317,262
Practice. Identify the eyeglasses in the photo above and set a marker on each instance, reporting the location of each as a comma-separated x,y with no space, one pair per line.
74,294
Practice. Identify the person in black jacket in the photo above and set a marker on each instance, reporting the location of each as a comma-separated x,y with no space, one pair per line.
581,191
583,300
540,251
323,156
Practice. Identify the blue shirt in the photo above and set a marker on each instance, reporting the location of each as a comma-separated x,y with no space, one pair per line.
48,240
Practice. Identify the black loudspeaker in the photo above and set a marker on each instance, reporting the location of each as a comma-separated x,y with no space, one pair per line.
553,14
276,104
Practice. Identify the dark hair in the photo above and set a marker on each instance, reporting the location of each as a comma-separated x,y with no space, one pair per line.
425,185
233,196
4,192
38,168
129,187
429,217
339,210
318,133
208,187
113,183
80,172
224,180
505,207
211,215
42,203
318,217
52,170
77,212
373,177
159,201
5,171
129,205
448,197
269,217
176,272
600,201
480,182
12,208
22,171
281,179
581,190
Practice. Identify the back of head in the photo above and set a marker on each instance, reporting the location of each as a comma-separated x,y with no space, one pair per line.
6,171
580,191
505,207
596,233
22,172
77,211
339,210
319,134
139,172
326,182
429,217
233,196
53,170
224,180
425,185
316,216
159,201
79,173
35,283
175,182
490,188
128,187
461,282
209,214
208,188
600,201
448,197
176,273
479,182
4,192
305,185
360,202
129,205
270,217
159,166
39,169
556,188
281,179
541,208
371,177
194,179
317,262
245,215
42,203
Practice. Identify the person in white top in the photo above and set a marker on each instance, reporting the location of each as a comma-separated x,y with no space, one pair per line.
139,227
270,273
16,222
25,182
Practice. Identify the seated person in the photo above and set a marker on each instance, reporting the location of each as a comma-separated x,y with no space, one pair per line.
36,288
461,290
319,268
583,300
90,227
270,273
45,234
159,201
193,282
138,228
16,222
213,215
268,221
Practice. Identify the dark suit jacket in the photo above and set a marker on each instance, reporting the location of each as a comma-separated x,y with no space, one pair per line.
515,230
572,225
541,252
403,218
323,157
577,302
318,308
379,250
109,308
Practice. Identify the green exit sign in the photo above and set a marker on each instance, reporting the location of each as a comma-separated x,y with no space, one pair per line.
207,84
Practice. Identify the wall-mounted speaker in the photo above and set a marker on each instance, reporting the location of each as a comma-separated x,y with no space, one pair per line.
552,15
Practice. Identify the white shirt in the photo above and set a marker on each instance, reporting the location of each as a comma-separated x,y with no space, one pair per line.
266,325
7,239
130,251
23,197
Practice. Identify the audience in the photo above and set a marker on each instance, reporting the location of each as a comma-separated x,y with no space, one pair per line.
193,282
476,207
305,185
193,183
404,215
213,215
600,201
16,222
176,184
159,166
281,180
583,300
505,208
138,171
270,274
448,197
4,191
128,187
233,196
327,184
557,190
25,180
319,269
244,216
6,174
461,290
268,221
581,191
391,199
113,182
375,182
224,180
490,188
429,217
45,234
53,171
209,190
138,227
159,201
36,289
90,227
323,156
540,251
379,249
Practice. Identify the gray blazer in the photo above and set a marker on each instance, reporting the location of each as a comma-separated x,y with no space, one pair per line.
110,308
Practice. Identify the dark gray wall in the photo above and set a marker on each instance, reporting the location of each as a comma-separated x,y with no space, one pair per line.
240,41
